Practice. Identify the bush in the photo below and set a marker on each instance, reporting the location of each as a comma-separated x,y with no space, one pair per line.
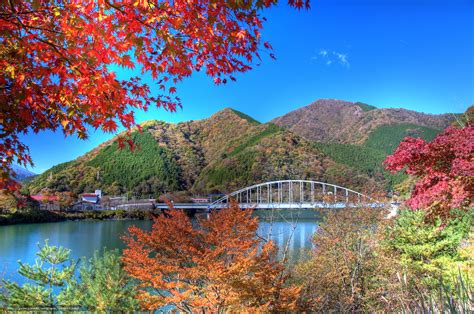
213,265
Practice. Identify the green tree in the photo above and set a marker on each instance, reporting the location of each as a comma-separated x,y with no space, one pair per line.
103,285
429,251
53,269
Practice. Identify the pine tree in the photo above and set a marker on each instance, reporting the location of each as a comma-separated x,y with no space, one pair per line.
430,250
104,285
53,269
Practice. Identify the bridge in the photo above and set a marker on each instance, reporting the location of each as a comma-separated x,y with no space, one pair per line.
288,194
296,194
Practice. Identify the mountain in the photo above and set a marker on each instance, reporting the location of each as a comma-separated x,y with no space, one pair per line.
225,152
337,121
22,173
359,135
231,150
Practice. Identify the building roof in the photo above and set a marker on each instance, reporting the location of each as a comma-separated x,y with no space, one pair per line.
89,194
41,198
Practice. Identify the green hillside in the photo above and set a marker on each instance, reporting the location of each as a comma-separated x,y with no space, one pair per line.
364,106
254,139
363,159
368,158
115,170
245,116
129,169
387,137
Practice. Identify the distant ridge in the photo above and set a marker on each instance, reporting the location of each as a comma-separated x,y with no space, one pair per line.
22,173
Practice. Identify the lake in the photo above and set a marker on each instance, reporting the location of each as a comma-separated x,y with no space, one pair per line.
20,242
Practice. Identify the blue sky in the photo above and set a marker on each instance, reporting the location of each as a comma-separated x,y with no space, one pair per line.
414,54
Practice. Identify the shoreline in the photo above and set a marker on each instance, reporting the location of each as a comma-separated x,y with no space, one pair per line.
46,216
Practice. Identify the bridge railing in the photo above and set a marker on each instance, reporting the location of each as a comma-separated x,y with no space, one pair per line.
295,192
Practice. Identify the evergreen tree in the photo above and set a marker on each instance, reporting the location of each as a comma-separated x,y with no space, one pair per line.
104,285
430,250
53,269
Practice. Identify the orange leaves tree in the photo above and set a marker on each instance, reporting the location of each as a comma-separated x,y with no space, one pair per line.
216,265
56,59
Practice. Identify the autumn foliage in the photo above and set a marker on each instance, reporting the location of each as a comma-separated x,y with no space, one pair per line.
348,271
444,168
57,60
218,264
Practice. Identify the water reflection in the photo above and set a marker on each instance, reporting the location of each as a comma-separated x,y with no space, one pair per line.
292,229
20,242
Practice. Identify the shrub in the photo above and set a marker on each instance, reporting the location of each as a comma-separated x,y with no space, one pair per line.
444,169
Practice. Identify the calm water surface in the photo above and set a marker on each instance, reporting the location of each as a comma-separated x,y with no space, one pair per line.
20,242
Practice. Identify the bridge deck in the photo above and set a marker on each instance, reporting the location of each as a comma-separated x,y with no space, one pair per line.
270,205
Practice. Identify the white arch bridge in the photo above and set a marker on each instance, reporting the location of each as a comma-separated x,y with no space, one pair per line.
296,194
288,194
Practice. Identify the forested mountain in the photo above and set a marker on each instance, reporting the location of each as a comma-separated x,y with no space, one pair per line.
359,135
337,121
231,150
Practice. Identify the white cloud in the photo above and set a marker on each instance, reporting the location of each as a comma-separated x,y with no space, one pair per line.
329,57
343,59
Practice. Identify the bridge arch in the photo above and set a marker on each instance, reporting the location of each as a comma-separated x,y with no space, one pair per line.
295,194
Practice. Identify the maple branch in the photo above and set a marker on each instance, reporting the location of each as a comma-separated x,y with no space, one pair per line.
14,14
115,7
24,12
125,13
5,18
55,47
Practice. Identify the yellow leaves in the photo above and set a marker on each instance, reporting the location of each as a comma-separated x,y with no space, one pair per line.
56,11
11,70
